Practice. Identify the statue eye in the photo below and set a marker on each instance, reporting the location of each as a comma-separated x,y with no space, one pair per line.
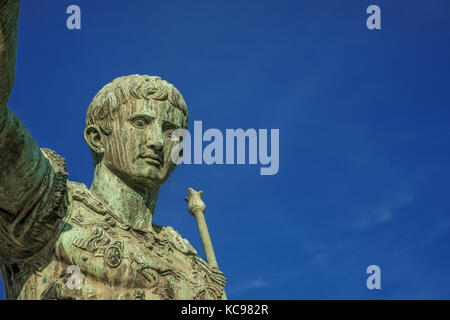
139,123
168,130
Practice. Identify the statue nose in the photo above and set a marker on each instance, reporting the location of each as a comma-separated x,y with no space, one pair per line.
154,137
155,145
155,142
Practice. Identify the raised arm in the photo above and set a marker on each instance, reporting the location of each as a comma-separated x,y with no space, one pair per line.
21,167
32,185
9,13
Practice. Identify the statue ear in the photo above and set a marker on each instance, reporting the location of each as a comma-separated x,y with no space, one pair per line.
94,139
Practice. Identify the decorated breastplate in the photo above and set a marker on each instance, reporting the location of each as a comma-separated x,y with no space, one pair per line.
117,262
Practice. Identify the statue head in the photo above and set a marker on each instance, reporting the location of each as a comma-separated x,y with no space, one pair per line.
129,128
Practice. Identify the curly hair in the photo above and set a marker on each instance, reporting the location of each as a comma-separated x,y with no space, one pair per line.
135,86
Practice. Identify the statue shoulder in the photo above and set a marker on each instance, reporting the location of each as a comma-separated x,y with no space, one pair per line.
58,162
212,276
175,239
79,193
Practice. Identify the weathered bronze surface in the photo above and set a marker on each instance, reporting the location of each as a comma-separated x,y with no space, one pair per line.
48,223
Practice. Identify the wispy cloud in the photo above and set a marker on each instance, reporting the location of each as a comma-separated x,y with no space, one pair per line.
371,218
380,213
440,230
248,286
271,280
277,278
321,260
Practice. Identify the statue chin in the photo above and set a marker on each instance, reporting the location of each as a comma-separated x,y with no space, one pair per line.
145,180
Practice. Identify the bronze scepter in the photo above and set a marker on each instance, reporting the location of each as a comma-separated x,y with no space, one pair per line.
197,208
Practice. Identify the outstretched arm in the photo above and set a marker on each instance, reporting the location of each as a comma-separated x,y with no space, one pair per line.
21,165
9,13
31,185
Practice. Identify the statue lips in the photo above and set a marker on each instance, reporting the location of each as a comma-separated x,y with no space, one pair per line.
152,159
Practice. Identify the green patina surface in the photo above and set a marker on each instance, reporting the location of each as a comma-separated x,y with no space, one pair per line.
48,223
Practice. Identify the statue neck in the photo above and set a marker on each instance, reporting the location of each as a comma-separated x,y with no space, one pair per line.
134,207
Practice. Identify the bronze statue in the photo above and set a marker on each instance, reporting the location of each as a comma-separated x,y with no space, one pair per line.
48,224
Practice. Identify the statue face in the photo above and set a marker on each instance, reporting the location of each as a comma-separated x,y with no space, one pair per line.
139,147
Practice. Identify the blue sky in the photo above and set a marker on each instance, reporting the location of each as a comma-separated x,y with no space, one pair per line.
363,118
